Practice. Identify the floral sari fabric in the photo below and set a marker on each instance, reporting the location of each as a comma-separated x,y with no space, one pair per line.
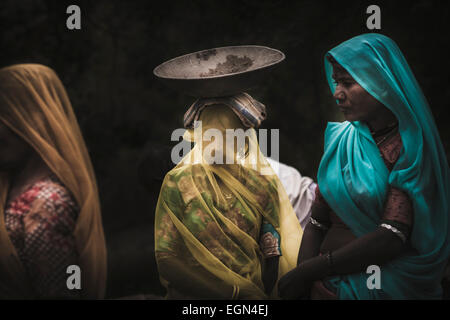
40,223
216,224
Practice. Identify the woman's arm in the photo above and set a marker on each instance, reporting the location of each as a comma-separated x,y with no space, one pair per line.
270,245
375,248
270,273
311,242
314,234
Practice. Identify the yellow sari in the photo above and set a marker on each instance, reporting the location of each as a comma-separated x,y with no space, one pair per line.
209,216
34,104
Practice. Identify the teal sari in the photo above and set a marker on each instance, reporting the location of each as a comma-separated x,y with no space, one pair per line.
354,179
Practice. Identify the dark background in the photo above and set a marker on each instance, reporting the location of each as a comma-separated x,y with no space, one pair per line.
127,117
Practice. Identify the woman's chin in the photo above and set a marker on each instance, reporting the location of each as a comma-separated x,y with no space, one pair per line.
349,117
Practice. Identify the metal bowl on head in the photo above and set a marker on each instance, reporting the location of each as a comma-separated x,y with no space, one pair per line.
220,71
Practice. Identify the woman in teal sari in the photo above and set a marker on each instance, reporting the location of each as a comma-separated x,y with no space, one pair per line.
383,195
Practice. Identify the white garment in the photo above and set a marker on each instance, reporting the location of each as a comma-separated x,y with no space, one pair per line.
300,190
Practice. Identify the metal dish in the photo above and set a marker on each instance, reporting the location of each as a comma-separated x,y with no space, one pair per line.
220,71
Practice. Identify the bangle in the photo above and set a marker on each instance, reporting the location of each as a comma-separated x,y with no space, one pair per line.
317,224
330,263
395,231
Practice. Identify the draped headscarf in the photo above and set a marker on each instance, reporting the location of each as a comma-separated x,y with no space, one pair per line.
193,205
34,104
353,178
250,111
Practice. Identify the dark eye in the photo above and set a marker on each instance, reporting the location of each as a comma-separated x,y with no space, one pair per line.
347,83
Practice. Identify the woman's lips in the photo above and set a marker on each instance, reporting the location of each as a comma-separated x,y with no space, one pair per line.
344,109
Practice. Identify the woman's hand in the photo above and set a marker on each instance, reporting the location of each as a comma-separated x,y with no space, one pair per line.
294,285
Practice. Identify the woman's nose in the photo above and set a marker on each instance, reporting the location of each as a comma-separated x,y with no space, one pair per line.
339,95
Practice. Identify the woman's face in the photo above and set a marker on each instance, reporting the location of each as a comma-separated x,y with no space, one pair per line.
353,100
14,151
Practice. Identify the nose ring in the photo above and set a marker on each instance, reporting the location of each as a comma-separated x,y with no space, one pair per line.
340,96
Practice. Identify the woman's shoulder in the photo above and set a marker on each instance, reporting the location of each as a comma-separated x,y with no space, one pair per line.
55,193
183,183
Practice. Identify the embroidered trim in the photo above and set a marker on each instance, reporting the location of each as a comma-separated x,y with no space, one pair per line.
270,245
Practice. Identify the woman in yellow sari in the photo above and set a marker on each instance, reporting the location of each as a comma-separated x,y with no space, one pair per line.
224,227
49,211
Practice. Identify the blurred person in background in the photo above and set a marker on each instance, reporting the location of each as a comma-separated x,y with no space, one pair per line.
50,212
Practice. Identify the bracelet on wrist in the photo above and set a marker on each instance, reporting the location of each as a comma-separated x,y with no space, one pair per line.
317,224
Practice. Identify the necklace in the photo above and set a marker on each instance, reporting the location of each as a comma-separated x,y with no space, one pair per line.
385,130
385,133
